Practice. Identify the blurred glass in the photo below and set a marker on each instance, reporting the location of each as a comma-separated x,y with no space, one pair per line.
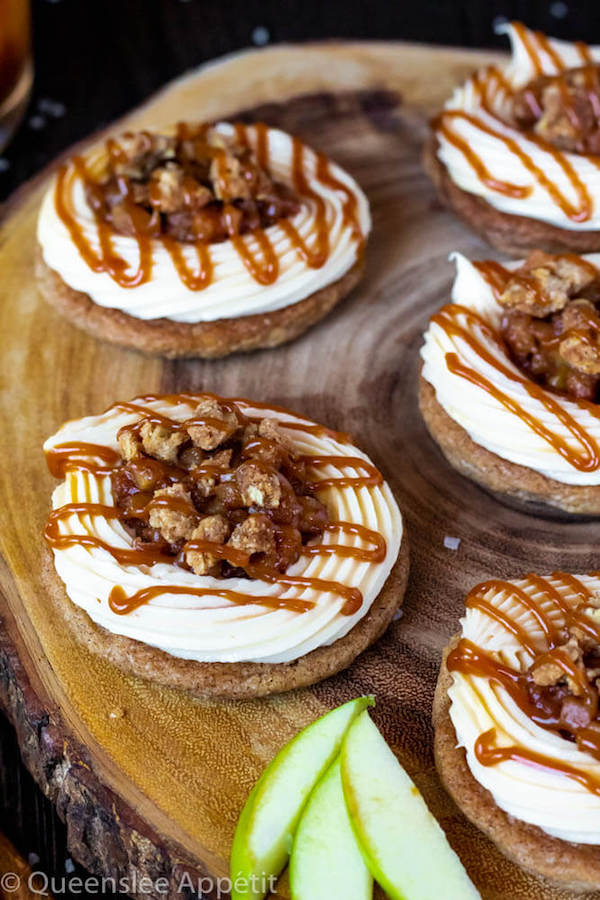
16,68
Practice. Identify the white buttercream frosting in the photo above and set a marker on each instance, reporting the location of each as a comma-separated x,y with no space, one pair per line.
232,292
502,162
556,803
488,421
208,627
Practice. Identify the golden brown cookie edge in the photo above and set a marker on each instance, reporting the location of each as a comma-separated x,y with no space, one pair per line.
531,491
231,681
561,863
511,234
207,340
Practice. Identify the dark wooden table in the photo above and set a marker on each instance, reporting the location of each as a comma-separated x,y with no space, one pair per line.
94,60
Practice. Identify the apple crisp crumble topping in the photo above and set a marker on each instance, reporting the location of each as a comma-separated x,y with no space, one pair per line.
563,109
563,684
551,323
220,493
198,185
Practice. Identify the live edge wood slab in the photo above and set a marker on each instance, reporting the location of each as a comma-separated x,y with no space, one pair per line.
149,781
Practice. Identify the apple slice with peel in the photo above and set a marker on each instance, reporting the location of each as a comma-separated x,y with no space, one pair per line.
326,863
402,843
265,830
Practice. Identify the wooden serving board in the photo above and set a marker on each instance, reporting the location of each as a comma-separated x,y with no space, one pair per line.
148,780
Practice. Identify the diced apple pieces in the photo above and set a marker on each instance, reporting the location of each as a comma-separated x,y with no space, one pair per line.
402,843
265,830
326,863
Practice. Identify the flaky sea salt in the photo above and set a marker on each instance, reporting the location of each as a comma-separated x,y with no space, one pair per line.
451,543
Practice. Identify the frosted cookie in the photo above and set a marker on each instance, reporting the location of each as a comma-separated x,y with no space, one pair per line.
515,152
517,732
510,381
223,546
202,240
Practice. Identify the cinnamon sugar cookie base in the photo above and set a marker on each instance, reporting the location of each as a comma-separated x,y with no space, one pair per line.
514,235
563,864
516,485
199,339
238,680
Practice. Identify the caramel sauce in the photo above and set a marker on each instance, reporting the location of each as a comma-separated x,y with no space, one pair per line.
577,212
80,456
194,280
489,754
256,249
580,212
470,660
476,600
371,479
316,256
127,556
121,604
375,554
585,454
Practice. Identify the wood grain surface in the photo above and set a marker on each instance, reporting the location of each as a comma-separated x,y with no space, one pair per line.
148,780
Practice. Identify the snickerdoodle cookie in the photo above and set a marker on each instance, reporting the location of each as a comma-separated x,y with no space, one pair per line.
200,241
517,735
510,381
223,546
515,150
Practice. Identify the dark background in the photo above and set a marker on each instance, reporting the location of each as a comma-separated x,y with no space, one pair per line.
98,58
95,59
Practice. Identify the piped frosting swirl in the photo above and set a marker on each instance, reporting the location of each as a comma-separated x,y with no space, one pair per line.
258,272
274,617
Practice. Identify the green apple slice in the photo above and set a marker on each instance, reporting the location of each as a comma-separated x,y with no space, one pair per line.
326,863
402,843
265,830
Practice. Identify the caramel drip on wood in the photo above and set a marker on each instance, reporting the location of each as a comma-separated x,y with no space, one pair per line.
585,455
81,456
255,249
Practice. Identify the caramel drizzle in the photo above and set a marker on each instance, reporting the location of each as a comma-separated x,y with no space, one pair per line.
233,404
372,478
315,256
482,83
489,754
470,660
81,456
122,605
585,455
74,456
256,249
